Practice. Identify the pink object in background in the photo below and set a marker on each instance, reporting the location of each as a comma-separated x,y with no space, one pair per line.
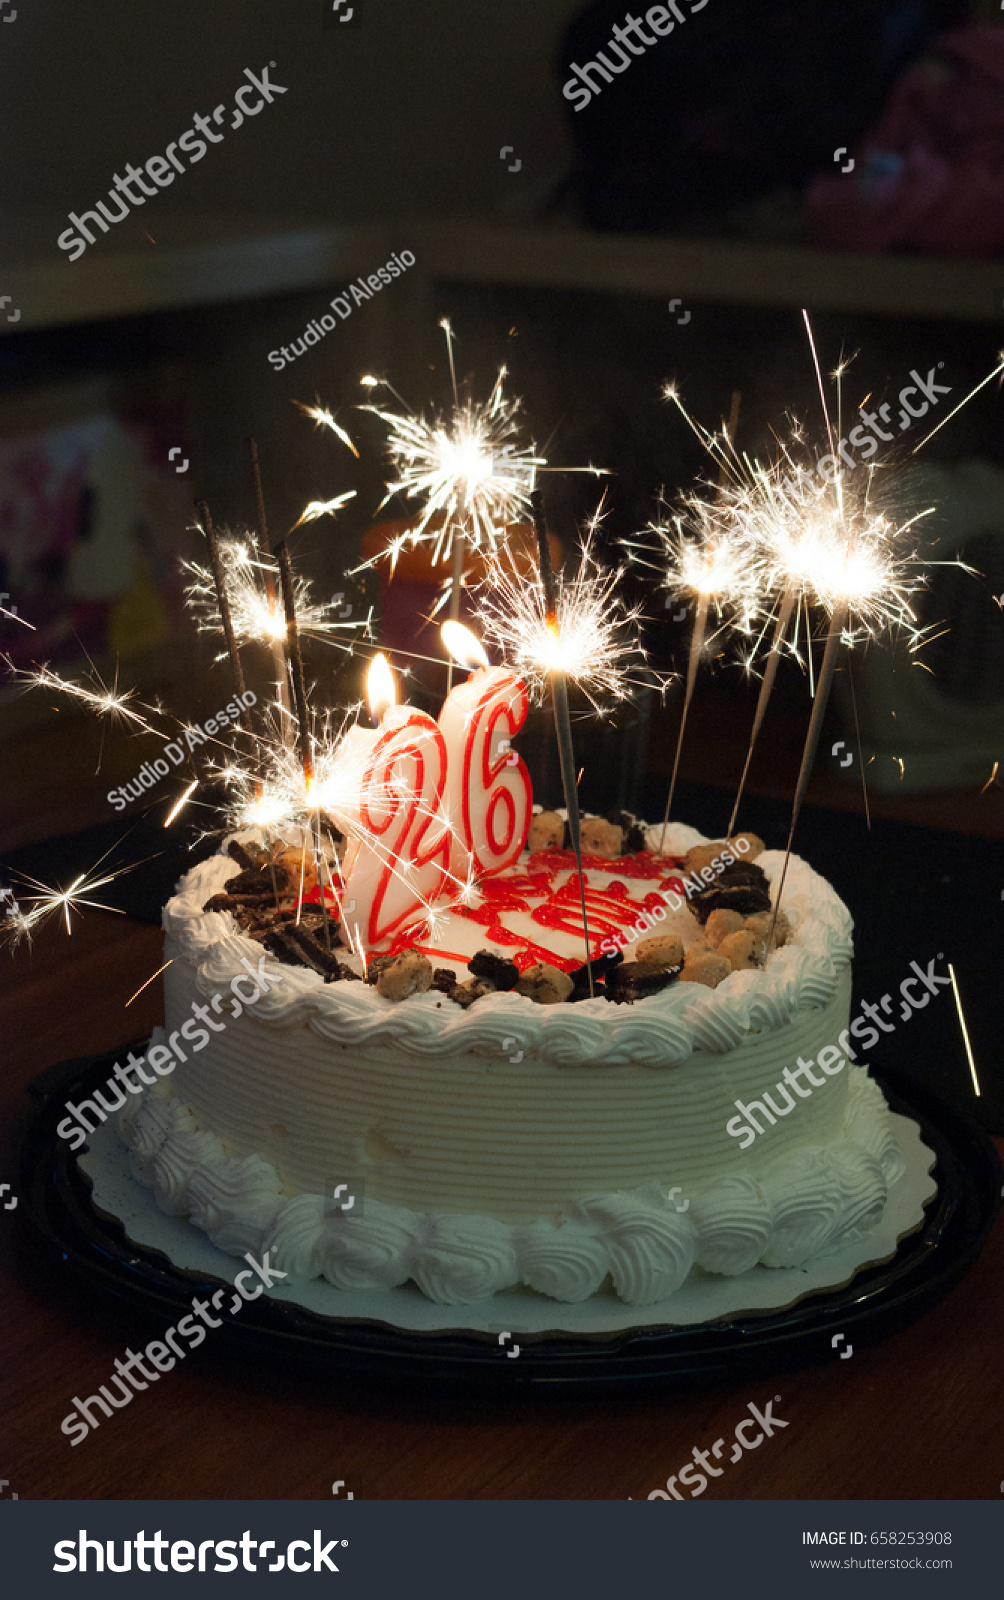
930,176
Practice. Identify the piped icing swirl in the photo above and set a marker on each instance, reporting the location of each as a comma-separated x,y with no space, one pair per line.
641,1242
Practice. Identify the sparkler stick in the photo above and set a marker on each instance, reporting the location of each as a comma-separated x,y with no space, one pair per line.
223,601
263,545
294,655
770,673
700,626
562,716
823,687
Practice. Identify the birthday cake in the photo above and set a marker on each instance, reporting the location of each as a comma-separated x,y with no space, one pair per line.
479,1108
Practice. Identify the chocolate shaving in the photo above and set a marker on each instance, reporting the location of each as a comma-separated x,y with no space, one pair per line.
249,856
299,947
313,949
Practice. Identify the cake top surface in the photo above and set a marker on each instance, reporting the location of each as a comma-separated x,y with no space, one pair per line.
528,914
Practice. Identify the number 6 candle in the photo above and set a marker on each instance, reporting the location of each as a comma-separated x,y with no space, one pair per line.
489,797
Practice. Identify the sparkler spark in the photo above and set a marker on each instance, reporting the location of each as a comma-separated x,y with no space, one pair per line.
594,641
709,552
965,1031
323,508
324,419
103,700
255,616
179,803
148,982
471,479
19,926
838,549
466,467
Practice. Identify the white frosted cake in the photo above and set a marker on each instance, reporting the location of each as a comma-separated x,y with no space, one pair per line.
703,1110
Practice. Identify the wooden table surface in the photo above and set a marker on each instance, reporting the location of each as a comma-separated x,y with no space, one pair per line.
918,1417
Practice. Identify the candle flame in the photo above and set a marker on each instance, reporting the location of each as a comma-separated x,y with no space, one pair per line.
465,648
380,691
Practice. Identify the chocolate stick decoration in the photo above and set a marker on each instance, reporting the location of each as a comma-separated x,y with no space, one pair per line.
294,656
223,601
562,715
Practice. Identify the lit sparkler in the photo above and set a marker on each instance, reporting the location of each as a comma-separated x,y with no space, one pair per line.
704,557
258,616
594,642
465,467
562,717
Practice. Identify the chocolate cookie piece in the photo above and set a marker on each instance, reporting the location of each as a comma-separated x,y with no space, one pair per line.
602,966
746,901
444,979
665,950
404,975
637,979
258,882
222,902
375,966
634,840
465,994
742,889
309,942
600,838
547,830
494,969
544,984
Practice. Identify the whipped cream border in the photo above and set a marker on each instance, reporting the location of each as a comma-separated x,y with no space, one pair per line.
641,1242
662,1030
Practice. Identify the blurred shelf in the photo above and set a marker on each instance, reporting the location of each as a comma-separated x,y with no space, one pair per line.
715,270
213,260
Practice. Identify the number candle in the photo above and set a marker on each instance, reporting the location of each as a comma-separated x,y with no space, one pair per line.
401,862
489,797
